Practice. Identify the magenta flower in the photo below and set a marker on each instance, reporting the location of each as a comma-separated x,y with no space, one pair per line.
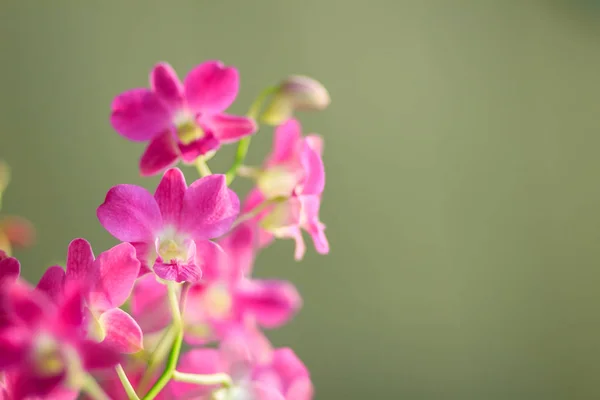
171,230
225,299
181,120
259,375
43,345
294,171
106,283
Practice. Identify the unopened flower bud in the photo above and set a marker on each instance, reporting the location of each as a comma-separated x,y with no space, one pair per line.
296,93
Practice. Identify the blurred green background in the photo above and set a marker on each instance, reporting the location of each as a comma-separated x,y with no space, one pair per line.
462,158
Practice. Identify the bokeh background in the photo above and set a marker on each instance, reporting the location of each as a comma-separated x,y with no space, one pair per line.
463,173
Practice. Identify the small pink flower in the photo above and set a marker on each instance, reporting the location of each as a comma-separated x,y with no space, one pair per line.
294,171
225,299
44,345
15,232
170,230
181,120
106,283
258,374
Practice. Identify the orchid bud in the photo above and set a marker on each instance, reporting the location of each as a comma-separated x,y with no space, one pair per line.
296,93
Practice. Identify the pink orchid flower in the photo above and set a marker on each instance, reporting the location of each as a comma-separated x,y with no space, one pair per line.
294,171
106,283
258,375
181,120
225,299
171,230
43,345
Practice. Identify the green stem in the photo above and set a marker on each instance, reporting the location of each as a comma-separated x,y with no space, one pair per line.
176,349
206,380
158,355
244,144
131,394
92,389
202,167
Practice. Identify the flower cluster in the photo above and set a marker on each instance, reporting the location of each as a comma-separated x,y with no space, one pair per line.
113,326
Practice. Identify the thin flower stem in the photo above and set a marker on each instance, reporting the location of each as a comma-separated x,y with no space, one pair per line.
244,144
92,389
206,380
131,394
202,166
176,349
158,355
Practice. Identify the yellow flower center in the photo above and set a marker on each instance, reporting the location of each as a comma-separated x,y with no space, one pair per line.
277,182
187,129
48,359
217,301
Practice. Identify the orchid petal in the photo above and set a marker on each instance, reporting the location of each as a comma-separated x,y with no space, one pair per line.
139,115
209,208
130,214
161,153
115,273
149,304
80,263
198,361
211,87
10,269
122,332
285,142
98,355
169,196
53,283
165,83
231,128
271,302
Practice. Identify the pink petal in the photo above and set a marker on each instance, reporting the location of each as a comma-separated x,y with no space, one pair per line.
25,385
10,268
300,389
211,87
146,254
115,273
27,305
71,309
122,332
139,115
13,347
240,246
285,143
316,143
314,179
310,208
288,365
169,196
260,391
178,272
191,151
211,259
98,355
161,153
231,128
53,283
271,302
130,214
166,85
199,361
209,208
149,304
80,261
